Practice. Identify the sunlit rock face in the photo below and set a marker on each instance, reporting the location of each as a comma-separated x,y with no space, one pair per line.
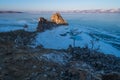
57,18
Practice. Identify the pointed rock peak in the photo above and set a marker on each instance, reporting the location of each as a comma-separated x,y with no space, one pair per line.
57,18
42,19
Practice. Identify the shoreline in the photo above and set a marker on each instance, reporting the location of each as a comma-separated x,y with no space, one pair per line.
74,61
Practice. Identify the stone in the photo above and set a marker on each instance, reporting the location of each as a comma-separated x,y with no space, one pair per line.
70,49
43,24
57,18
16,38
25,26
42,20
111,76
34,66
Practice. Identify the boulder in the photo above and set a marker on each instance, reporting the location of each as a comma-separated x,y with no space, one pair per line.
57,18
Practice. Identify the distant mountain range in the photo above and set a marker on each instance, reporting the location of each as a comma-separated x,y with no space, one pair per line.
94,11
73,11
82,11
10,12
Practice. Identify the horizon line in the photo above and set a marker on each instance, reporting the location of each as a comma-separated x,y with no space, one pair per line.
59,10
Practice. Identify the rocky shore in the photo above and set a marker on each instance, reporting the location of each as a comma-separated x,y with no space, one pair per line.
18,61
18,38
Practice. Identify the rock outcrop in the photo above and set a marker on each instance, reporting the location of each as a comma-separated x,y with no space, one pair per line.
44,24
16,38
56,20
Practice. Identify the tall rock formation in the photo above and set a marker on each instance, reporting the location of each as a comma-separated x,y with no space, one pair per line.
57,18
41,24
44,24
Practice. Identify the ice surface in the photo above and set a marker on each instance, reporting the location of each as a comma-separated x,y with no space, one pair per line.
53,39
106,30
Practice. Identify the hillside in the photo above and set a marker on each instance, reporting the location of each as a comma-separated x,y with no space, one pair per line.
22,62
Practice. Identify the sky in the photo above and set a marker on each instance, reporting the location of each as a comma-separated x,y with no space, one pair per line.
57,5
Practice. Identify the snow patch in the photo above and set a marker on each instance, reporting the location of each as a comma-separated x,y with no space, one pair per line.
60,58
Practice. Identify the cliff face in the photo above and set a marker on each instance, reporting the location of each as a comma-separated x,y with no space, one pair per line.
41,24
57,18
44,24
